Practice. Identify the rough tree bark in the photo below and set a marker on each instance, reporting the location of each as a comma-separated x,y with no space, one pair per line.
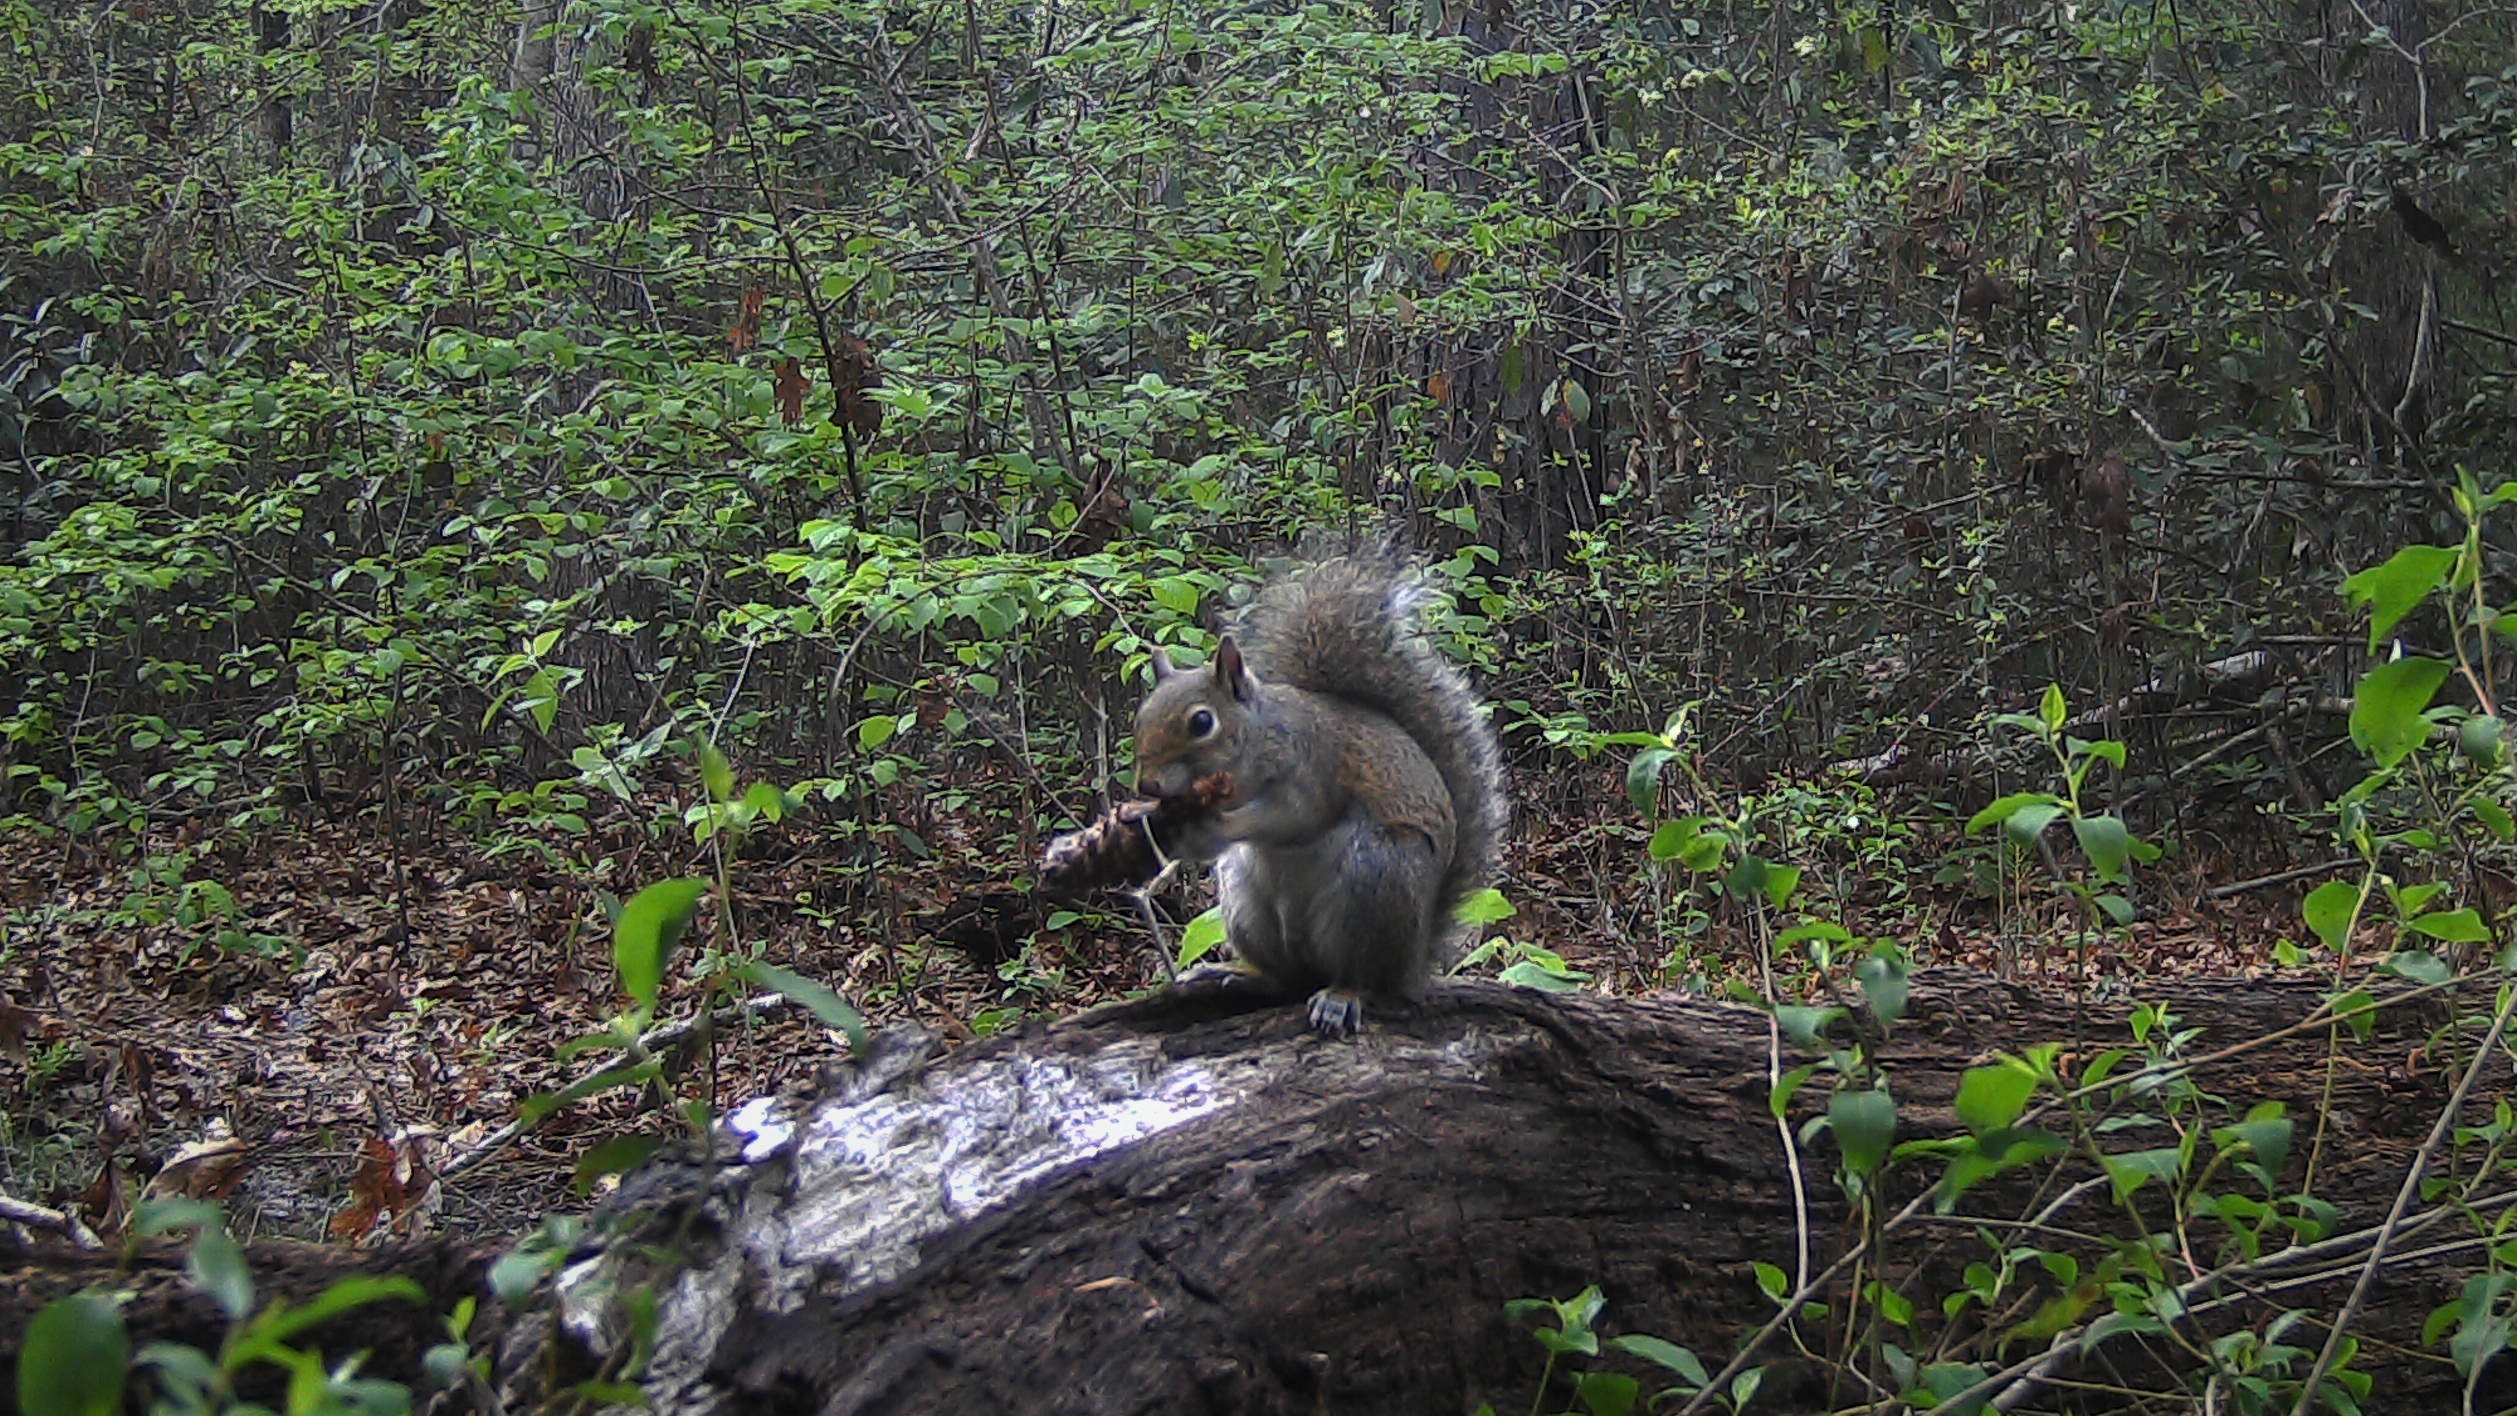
1184,1205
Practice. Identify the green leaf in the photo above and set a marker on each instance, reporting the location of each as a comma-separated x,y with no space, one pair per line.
2029,822
1608,1393
1667,1354
2131,1171
2479,738
2479,1317
2329,908
283,1322
1778,1099
541,698
1671,837
2455,926
158,1217
2495,819
2398,587
1864,1122
2050,709
714,774
1200,938
1177,593
1643,780
1780,881
2106,842
1947,1379
650,925
1885,985
1545,977
1688,842
814,997
2267,1135
875,731
2418,965
770,802
1747,877
72,1358
217,1266
2057,1313
2387,719
516,1274
2003,809
1772,1281
2358,1011
183,1370
1992,1097
1804,1025
1487,906
1825,929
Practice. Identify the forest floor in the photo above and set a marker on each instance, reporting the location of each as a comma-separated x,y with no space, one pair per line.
291,1021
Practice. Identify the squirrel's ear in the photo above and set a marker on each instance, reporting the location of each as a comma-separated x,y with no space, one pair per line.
1233,674
1162,666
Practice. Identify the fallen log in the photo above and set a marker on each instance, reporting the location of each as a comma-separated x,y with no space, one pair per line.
1180,1205
1190,1203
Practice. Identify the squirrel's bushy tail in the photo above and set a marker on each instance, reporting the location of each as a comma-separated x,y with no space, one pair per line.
1346,624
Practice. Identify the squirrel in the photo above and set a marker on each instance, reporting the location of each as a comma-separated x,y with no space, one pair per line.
1365,795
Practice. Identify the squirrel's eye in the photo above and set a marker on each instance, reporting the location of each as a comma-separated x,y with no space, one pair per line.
1201,724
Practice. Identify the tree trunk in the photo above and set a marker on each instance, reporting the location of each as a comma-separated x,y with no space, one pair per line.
270,30
530,67
1184,1204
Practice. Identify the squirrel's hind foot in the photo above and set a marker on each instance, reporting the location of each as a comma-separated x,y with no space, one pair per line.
1337,1012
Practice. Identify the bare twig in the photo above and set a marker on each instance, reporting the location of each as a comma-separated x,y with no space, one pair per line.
2284,877
69,1226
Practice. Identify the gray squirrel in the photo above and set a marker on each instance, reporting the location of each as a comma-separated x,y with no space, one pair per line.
1365,793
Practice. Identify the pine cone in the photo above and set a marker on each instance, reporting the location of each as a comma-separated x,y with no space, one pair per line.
1121,847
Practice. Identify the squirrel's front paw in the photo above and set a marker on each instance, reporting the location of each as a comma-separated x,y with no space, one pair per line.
1337,1012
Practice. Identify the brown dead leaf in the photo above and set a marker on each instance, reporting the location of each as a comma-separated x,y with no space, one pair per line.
854,375
1438,387
395,1188
139,1067
1688,377
16,1026
202,1170
105,1204
375,1192
791,388
744,335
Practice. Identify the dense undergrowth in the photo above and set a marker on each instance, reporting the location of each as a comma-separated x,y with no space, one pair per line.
866,391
